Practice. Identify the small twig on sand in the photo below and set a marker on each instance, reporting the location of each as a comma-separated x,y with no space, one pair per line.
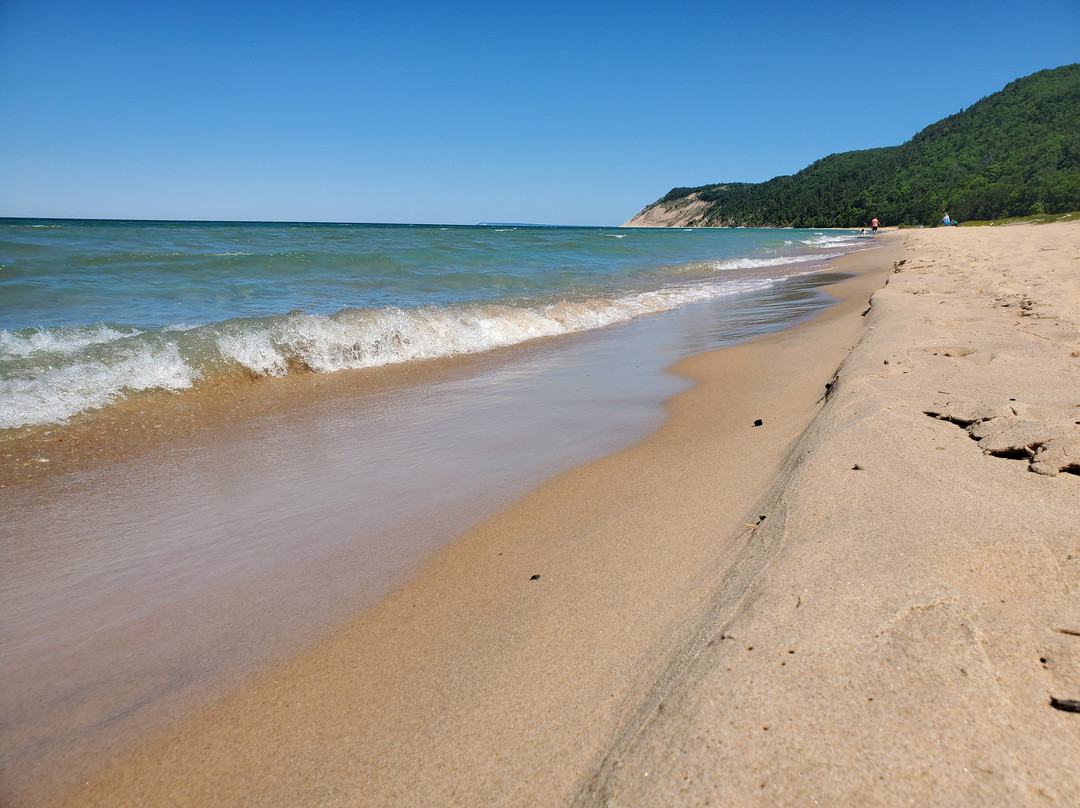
1068,705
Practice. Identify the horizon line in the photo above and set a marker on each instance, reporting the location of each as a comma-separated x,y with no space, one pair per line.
116,220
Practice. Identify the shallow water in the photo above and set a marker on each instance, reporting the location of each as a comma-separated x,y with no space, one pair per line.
94,311
142,589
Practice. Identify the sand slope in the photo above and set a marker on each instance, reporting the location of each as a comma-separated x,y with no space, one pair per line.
683,212
924,600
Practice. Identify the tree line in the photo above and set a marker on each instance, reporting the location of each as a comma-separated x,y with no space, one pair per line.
1014,153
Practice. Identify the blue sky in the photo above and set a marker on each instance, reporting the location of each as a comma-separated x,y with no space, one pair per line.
556,113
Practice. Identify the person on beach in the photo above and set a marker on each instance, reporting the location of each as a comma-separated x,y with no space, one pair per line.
946,221
874,226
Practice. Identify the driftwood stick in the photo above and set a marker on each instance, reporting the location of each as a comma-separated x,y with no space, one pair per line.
1068,705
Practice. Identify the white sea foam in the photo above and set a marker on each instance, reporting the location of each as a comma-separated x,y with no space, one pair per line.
760,263
101,364
831,240
254,350
373,337
54,395
70,340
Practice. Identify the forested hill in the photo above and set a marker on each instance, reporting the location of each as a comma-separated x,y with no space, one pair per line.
1013,153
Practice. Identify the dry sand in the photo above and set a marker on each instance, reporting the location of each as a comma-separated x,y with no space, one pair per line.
890,632
922,600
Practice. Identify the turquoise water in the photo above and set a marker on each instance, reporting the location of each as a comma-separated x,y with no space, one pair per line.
91,311
290,525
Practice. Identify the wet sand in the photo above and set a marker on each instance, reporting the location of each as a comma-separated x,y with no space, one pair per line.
161,552
869,598
477,682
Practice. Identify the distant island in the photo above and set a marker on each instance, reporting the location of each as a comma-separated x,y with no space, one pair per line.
1014,153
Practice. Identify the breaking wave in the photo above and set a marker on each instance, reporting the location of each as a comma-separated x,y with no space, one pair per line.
49,375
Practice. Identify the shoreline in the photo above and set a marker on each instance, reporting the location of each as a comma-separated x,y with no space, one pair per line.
919,615
125,369
473,672
152,421
175,563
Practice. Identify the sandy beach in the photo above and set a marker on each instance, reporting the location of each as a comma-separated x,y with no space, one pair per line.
869,597
920,609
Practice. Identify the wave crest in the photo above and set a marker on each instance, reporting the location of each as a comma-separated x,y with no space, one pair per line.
49,375
363,338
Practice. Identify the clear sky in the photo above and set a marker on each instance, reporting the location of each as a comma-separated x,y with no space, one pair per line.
462,112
